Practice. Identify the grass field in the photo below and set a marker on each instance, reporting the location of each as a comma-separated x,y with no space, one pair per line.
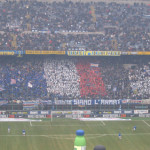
60,134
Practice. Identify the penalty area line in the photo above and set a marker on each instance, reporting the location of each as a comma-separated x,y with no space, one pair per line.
103,123
63,135
60,125
30,123
146,123
72,136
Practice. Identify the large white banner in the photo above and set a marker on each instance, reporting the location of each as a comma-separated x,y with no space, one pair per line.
140,111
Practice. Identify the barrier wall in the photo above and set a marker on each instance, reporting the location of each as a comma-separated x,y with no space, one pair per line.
39,52
69,114
20,53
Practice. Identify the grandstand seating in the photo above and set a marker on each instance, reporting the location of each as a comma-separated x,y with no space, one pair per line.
140,81
47,77
74,26
33,25
91,83
62,78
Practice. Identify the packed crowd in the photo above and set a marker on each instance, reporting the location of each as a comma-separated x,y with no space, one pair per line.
46,77
72,42
32,25
140,81
22,79
69,16
62,78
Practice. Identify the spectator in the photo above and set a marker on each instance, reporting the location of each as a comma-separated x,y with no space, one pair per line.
123,27
46,77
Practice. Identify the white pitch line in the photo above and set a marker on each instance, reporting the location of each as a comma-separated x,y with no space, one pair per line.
146,123
103,123
63,125
99,136
58,137
30,124
62,135
73,125
66,137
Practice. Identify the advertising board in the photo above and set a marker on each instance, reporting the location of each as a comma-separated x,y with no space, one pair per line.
140,111
36,116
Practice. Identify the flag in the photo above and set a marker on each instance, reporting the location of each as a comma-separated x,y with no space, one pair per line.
30,85
146,16
94,65
3,102
13,81
109,87
115,89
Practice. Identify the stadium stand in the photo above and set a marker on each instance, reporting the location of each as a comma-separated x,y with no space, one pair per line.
91,82
140,81
41,25
74,26
60,77
22,79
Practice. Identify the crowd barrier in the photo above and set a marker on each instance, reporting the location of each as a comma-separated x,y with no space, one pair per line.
69,114
20,53
39,52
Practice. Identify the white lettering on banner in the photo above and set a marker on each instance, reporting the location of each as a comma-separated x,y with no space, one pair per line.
73,112
117,112
147,115
110,102
44,112
128,111
82,102
114,115
110,115
144,115
86,102
140,111
75,102
33,112
89,102
30,116
66,112
106,116
96,102
146,101
87,112
135,101
107,112
141,115
3,116
124,101
77,112
69,102
59,102
40,116
36,116
2,112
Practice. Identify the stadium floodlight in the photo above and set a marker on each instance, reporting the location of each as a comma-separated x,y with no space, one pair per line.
99,147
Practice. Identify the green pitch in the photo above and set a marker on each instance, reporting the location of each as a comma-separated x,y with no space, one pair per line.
60,134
